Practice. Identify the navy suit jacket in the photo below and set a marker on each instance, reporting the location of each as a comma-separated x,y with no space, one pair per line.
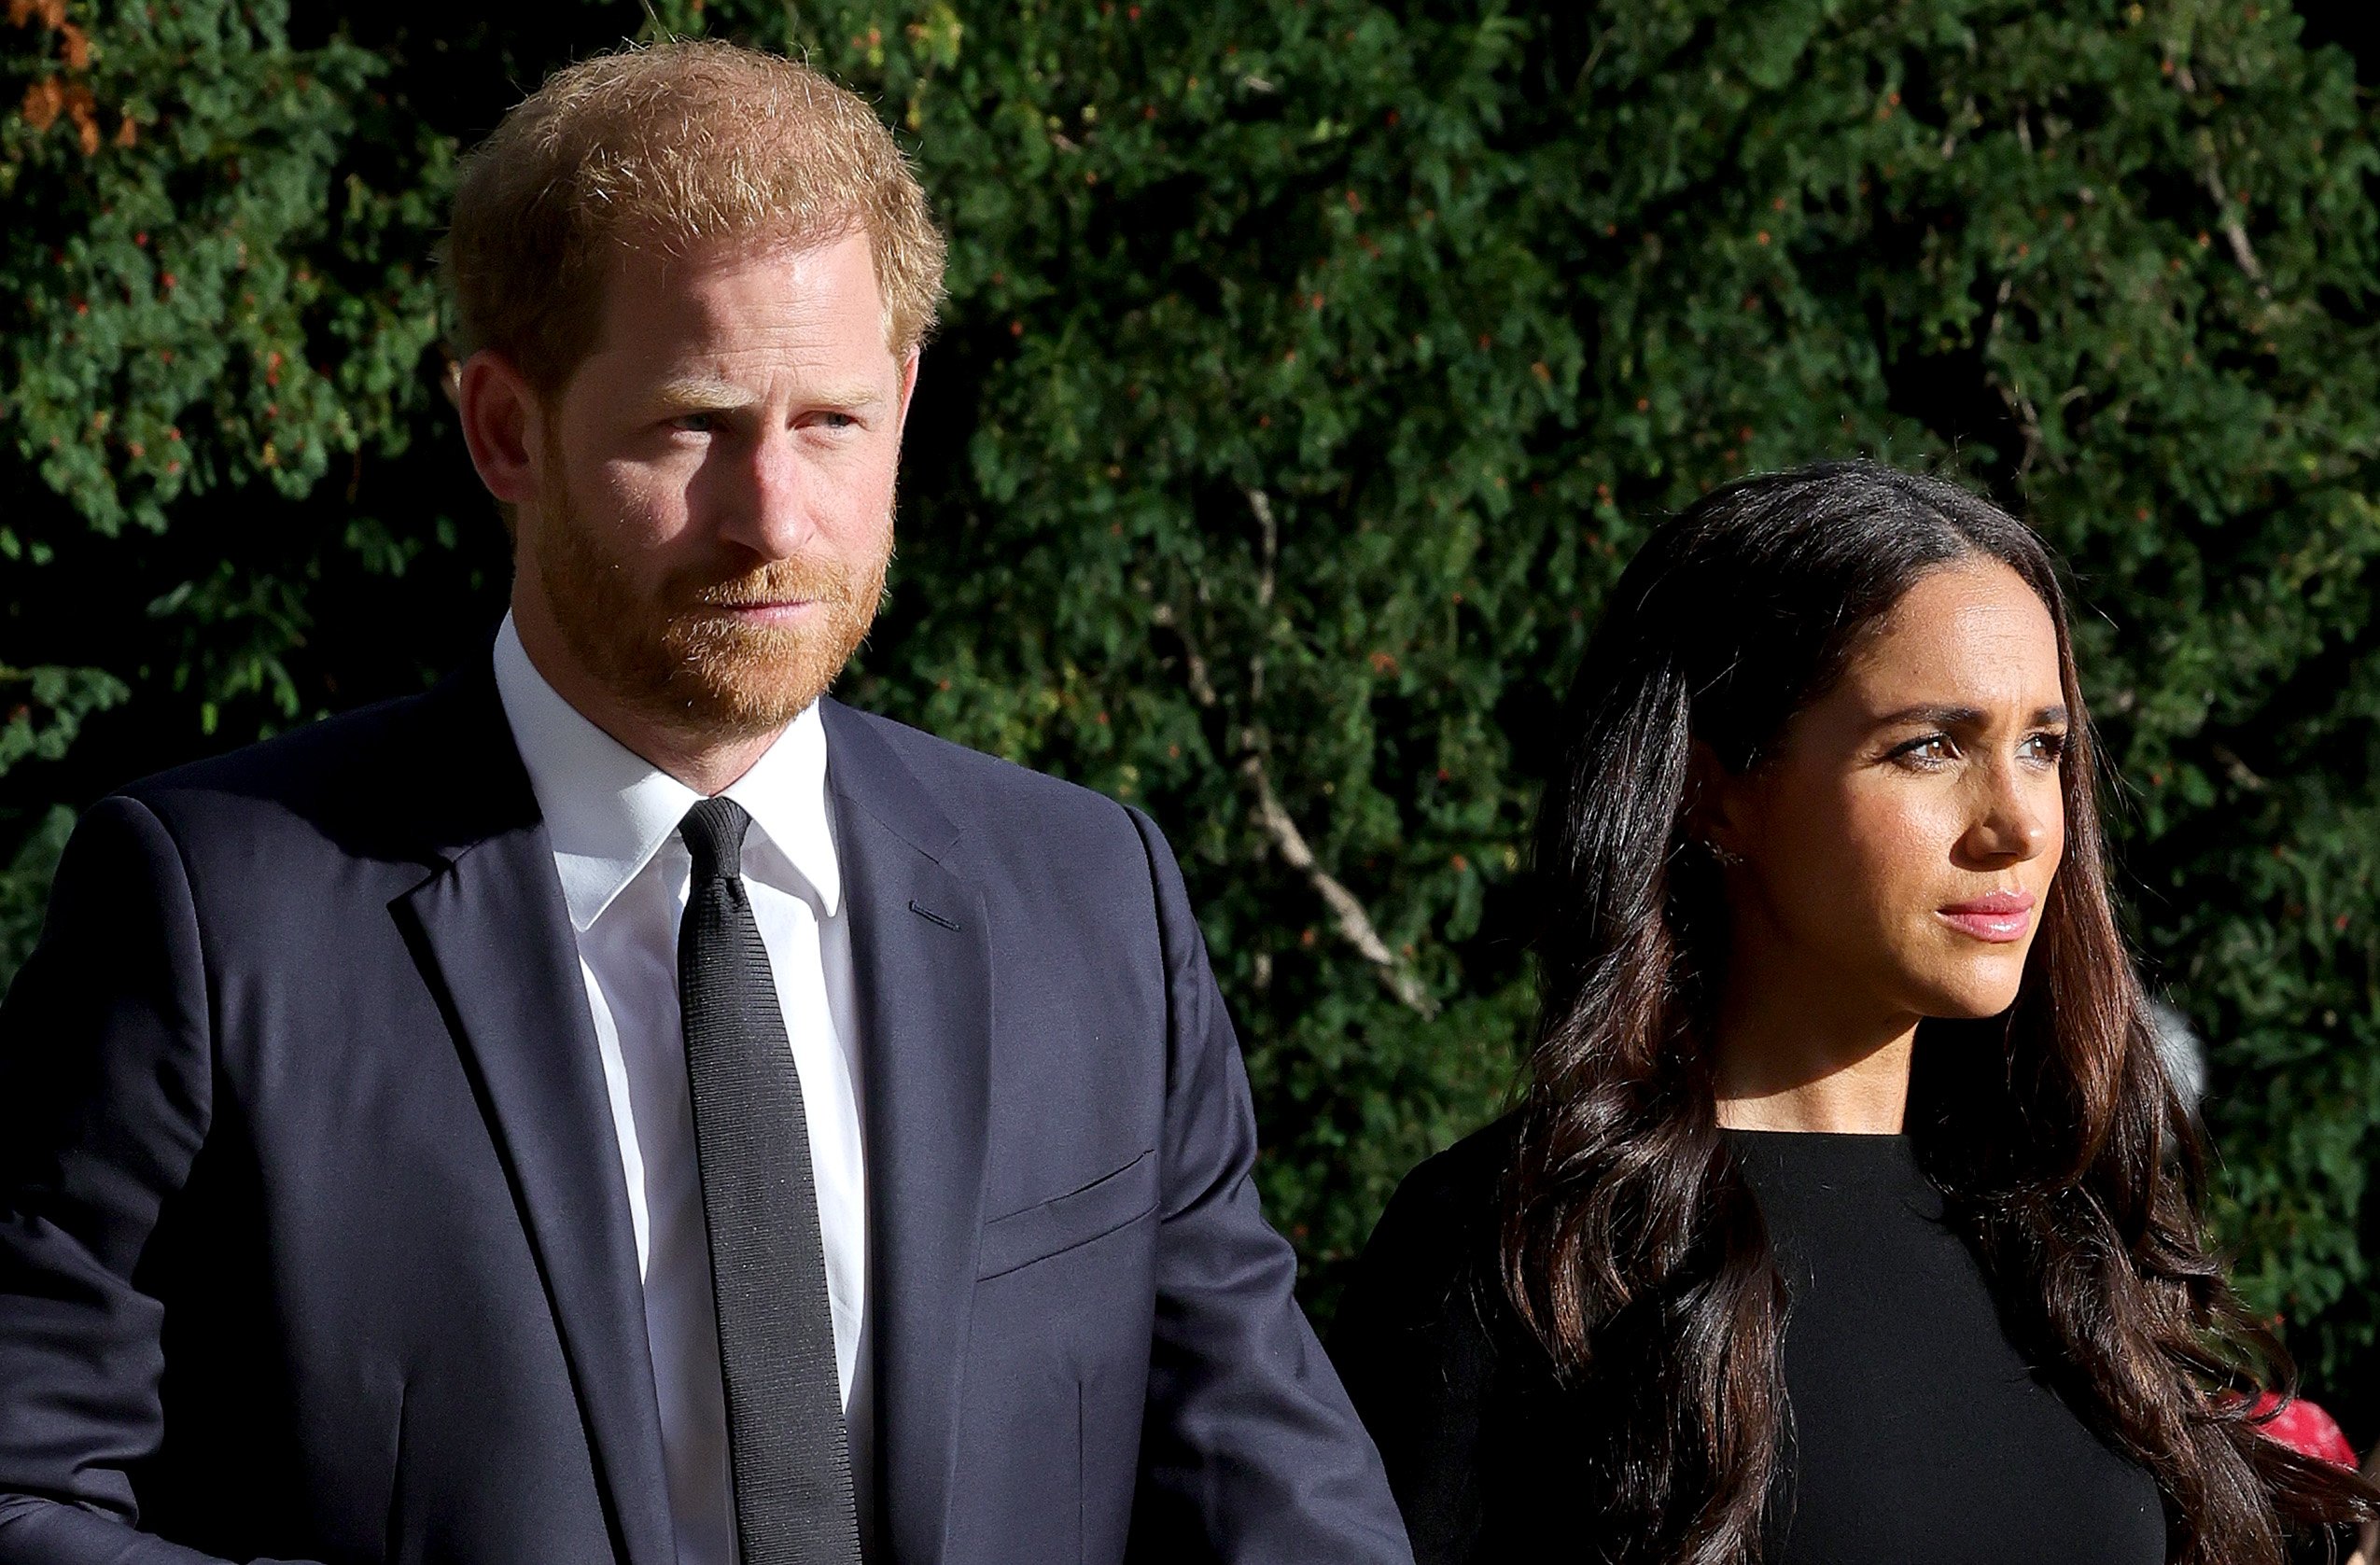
314,1243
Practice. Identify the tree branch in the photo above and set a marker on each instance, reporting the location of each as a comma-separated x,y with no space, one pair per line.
1260,503
2020,406
2235,232
1355,926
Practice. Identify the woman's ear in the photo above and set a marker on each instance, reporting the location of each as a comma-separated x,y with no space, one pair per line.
1716,804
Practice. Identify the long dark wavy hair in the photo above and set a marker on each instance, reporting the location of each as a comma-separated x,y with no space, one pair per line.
1631,1245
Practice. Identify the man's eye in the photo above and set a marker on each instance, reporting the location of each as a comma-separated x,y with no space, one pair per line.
833,421
695,424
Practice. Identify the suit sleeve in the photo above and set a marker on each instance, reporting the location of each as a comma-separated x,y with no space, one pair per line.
105,1075
1252,1452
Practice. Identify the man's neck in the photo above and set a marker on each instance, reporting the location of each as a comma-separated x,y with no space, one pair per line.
710,763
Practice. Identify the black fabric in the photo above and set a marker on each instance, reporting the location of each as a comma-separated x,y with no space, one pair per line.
1482,1446
1919,1432
786,1444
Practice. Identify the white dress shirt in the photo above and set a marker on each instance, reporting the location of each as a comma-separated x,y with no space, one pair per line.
613,818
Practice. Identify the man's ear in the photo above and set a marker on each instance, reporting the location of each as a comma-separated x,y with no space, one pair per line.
501,427
909,363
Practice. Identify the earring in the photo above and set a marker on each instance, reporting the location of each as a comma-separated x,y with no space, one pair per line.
1721,857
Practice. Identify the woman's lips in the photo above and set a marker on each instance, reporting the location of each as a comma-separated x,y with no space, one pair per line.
1998,916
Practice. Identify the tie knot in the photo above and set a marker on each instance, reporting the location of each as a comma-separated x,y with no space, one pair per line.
714,832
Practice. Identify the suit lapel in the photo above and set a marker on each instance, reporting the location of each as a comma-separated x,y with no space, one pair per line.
496,942
920,961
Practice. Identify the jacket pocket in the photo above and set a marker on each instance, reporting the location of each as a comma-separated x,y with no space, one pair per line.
1098,1208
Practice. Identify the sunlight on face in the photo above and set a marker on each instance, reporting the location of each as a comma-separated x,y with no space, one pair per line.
1898,847
716,508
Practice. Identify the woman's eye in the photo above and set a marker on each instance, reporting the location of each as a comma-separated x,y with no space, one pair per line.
1931,750
2045,748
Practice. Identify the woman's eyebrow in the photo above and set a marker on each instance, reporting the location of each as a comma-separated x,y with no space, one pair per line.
1937,717
1965,717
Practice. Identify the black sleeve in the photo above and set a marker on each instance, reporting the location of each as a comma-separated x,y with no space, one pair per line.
106,1097
1417,1359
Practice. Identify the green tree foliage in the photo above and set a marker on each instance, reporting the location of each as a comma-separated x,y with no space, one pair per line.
1311,367
209,313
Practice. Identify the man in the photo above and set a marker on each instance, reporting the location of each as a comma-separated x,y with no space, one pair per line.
624,1106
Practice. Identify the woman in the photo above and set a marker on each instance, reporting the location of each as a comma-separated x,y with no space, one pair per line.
1848,1215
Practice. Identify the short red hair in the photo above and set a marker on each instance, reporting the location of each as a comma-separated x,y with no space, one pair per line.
670,145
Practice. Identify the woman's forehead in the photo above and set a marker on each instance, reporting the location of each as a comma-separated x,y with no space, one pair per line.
1975,631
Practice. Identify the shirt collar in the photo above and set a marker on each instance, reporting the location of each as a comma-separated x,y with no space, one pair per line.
610,812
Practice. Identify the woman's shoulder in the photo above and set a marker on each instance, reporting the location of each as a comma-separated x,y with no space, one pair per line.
1436,1244
1436,1361
1459,1191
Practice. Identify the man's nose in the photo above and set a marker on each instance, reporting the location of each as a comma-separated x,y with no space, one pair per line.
771,513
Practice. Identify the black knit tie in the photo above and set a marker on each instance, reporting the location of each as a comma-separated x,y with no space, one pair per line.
785,1439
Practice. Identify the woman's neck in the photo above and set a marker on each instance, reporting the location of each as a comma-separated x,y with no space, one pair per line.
1792,1055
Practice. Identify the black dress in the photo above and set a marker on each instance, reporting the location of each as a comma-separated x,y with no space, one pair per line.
1916,1432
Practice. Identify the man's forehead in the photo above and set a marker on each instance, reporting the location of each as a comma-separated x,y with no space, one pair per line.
841,258
818,302
833,386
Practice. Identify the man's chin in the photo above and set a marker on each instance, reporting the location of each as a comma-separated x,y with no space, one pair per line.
750,679
743,702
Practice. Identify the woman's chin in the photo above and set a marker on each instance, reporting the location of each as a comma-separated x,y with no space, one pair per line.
1973,1000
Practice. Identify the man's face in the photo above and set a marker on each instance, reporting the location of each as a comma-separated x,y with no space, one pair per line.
713,511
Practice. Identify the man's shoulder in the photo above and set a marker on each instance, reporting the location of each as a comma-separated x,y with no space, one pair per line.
286,761
357,779
977,789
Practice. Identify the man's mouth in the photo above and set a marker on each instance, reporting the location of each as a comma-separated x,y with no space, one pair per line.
768,611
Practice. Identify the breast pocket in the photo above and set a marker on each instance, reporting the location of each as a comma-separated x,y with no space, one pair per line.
1096,1210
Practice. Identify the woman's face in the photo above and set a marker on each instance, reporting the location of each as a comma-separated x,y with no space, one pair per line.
1896,847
